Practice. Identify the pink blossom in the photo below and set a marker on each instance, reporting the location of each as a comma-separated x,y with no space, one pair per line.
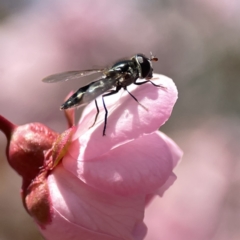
100,189
104,183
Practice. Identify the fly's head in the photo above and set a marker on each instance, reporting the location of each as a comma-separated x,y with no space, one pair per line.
144,65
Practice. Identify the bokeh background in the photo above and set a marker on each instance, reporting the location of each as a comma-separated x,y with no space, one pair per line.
198,45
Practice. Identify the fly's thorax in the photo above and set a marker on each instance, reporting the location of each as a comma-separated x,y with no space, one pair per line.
125,73
121,66
126,80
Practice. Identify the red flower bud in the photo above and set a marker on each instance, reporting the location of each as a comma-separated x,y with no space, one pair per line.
33,150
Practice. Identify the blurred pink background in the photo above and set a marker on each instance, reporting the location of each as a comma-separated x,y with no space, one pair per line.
197,43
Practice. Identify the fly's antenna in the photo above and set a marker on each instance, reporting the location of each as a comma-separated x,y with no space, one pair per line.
153,58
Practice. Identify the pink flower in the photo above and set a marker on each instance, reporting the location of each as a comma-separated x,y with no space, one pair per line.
119,171
101,188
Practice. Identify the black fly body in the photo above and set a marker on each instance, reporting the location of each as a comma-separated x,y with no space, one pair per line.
122,74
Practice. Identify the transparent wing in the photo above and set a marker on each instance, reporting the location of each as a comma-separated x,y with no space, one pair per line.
71,75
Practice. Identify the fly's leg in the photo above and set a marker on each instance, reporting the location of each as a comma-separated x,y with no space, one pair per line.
140,83
96,114
125,88
106,111
161,86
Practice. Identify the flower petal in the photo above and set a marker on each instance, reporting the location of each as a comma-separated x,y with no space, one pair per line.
81,211
137,167
177,153
127,120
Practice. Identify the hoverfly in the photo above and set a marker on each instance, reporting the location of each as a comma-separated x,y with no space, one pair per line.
120,75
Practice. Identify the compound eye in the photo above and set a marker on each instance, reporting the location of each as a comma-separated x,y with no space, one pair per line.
145,66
